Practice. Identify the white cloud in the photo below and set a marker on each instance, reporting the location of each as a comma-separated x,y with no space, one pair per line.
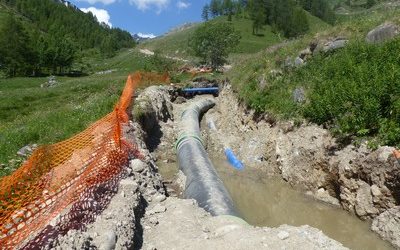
101,15
151,36
99,1
182,5
147,4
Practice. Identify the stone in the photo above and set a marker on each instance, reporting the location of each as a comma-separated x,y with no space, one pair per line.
137,165
157,209
387,225
288,63
299,95
334,45
50,83
25,151
275,73
375,190
305,53
298,62
180,100
153,220
108,240
262,82
383,33
283,235
364,203
160,198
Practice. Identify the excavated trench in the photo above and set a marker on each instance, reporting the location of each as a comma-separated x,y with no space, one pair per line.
259,192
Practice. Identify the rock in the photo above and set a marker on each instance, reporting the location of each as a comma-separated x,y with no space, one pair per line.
299,95
324,196
180,100
313,46
137,165
108,240
288,63
387,225
50,83
153,220
157,209
283,235
305,53
181,180
298,62
262,82
383,33
160,198
375,190
275,73
25,151
334,45
364,203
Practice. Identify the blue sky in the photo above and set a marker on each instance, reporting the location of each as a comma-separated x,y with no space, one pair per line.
144,16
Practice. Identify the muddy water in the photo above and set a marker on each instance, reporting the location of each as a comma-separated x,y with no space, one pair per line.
272,202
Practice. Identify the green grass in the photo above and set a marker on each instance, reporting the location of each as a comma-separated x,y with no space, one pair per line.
361,61
252,43
176,44
30,114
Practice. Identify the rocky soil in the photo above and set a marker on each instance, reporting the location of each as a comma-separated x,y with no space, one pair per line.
181,224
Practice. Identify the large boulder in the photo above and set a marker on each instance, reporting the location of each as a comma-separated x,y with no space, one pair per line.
383,33
387,225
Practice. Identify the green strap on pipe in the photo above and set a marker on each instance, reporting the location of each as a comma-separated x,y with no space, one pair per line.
186,136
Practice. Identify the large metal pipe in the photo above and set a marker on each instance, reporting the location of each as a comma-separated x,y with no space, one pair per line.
202,181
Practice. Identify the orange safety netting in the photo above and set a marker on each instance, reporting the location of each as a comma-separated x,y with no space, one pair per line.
67,183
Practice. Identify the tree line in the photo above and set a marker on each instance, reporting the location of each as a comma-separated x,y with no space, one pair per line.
286,16
45,36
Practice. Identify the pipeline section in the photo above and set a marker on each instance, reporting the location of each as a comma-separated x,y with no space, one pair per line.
202,181
200,91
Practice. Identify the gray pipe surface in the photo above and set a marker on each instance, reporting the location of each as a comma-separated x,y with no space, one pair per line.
202,181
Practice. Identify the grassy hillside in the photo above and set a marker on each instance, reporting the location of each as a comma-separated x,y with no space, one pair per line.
30,114
347,91
176,43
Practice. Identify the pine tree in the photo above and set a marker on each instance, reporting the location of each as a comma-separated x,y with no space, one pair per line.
257,14
228,9
370,3
205,13
14,48
214,8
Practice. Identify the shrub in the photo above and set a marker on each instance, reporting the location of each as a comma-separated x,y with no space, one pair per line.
357,90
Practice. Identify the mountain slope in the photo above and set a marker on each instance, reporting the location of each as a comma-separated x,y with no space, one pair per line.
48,36
176,43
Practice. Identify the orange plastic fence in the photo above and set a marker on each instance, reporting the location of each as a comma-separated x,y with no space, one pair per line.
67,183
396,154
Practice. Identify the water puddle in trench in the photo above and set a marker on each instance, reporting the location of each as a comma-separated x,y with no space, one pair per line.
263,201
